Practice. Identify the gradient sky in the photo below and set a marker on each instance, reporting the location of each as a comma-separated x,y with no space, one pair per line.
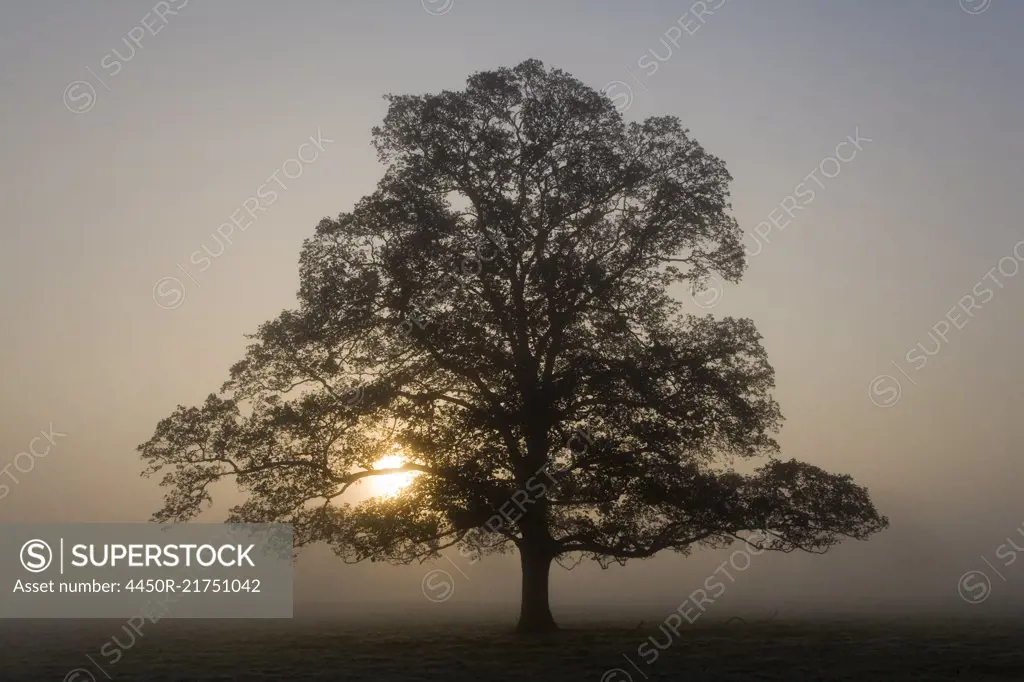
99,205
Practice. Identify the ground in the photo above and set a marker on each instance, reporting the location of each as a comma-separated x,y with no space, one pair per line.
896,650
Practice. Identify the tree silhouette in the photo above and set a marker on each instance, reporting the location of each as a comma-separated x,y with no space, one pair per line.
501,308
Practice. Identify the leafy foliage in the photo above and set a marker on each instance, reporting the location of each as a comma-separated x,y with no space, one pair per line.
508,285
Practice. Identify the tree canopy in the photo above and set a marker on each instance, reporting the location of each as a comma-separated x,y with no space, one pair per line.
512,283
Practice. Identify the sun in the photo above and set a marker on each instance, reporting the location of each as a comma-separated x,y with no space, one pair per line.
390,485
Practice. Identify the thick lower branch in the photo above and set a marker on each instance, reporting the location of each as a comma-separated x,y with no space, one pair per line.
621,552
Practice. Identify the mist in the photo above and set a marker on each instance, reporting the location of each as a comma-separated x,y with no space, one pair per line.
856,288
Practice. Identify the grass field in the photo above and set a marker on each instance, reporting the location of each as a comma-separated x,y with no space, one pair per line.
301,651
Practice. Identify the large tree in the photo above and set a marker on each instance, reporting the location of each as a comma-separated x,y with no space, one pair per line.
502,309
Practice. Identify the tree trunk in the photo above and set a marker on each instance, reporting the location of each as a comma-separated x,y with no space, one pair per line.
535,611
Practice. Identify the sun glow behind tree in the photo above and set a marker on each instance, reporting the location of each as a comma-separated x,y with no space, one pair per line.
390,485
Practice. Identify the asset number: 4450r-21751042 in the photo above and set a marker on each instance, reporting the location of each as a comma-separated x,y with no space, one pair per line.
194,585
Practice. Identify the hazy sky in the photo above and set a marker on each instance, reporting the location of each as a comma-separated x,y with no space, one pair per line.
169,141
